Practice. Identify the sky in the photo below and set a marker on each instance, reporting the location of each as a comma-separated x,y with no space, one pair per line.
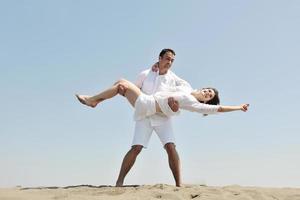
50,50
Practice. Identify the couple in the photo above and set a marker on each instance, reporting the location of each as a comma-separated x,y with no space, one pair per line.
158,95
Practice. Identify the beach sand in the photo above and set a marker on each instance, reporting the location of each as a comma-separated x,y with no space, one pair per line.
147,192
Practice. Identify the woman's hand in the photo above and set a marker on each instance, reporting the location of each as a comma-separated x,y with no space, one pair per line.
244,107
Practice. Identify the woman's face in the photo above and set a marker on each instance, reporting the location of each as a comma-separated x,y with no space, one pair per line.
205,94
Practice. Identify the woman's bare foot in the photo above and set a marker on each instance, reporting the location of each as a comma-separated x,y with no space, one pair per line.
84,99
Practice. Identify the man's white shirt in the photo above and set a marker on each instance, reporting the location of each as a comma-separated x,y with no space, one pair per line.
151,82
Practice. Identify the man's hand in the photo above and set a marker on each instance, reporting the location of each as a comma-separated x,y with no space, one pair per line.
122,89
173,104
155,67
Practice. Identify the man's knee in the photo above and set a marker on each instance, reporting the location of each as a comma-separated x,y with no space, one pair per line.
170,147
136,149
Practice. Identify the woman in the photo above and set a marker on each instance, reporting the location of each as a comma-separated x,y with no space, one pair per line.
205,101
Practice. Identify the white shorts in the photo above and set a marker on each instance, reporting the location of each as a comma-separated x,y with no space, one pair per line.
143,131
144,106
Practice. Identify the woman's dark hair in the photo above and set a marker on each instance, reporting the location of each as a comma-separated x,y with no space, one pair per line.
215,100
162,53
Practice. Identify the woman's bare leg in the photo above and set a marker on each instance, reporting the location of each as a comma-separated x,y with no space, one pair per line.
93,101
131,93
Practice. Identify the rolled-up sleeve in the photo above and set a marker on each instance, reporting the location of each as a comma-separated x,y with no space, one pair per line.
141,77
191,104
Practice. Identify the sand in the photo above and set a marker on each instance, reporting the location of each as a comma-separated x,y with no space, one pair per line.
147,192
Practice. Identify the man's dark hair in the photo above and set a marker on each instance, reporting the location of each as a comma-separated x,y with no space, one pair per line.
164,51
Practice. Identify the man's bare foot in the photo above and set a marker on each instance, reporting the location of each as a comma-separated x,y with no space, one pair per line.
119,184
84,99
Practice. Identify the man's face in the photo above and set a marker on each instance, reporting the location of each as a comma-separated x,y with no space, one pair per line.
165,62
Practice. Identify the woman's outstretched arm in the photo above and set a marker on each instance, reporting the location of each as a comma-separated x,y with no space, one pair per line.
193,105
242,107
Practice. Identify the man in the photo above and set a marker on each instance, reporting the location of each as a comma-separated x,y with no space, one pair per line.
150,82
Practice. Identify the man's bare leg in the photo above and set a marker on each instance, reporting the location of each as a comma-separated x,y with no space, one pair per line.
174,162
127,163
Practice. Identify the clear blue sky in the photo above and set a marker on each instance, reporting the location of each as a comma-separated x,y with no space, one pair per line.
50,50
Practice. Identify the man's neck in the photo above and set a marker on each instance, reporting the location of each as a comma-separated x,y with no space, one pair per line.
159,71
162,73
